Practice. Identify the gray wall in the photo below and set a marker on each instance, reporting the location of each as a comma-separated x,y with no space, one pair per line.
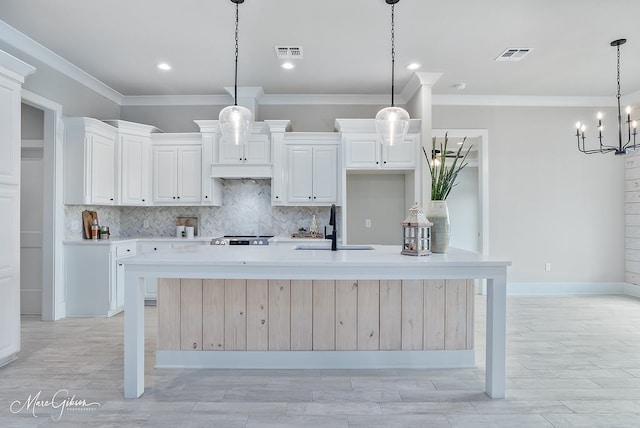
32,126
76,99
547,201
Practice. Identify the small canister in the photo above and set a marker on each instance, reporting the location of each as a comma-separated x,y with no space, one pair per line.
104,232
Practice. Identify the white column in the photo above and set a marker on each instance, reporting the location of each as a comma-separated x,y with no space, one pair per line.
496,336
133,335
12,75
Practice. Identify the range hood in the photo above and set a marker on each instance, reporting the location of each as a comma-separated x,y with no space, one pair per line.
235,171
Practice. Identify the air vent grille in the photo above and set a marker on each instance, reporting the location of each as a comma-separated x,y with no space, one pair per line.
288,52
513,54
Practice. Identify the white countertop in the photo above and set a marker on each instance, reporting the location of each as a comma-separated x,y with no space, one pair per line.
287,255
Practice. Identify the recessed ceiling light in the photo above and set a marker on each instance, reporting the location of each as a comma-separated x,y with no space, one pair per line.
414,66
287,65
164,66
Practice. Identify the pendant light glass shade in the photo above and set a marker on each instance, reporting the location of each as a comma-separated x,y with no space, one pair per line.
392,124
235,123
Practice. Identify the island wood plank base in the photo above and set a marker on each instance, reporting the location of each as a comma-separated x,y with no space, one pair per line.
384,264
313,315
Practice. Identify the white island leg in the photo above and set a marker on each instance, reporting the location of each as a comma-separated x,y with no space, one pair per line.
133,336
496,336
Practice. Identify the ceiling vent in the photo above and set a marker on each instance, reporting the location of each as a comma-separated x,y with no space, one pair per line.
513,54
288,52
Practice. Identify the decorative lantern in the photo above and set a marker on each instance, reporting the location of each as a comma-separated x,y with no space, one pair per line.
416,233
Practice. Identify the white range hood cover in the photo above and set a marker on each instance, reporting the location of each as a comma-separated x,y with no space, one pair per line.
225,170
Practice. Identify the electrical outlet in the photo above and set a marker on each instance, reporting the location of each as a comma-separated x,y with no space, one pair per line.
367,222
145,224
547,267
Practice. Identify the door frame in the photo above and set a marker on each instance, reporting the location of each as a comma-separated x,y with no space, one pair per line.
483,178
53,290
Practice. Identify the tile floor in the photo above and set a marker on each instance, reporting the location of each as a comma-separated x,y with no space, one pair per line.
572,361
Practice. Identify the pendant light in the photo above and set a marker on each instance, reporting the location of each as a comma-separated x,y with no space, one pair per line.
392,123
235,120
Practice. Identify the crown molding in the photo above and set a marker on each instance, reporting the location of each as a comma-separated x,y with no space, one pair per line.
14,68
34,49
176,100
326,99
521,101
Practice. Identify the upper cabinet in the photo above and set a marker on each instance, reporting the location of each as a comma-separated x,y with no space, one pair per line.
177,169
257,150
362,150
89,162
311,165
133,162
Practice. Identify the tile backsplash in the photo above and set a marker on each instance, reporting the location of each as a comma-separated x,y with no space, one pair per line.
246,210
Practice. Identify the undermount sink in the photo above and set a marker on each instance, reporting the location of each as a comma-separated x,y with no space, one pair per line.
340,247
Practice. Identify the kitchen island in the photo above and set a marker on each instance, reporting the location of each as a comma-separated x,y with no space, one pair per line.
281,307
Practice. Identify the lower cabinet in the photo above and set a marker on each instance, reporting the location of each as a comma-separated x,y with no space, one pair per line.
94,278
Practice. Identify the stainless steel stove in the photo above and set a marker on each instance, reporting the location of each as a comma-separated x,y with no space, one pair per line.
242,240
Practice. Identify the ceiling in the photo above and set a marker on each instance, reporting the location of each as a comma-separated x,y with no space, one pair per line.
346,44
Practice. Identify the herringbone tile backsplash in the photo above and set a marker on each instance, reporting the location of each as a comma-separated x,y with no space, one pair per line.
246,210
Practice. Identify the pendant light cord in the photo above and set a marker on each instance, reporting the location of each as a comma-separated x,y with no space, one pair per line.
393,52
235,85
619,110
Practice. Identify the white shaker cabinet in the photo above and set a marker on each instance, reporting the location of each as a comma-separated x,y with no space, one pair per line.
312,175
177,170
133,162
89,162
364,151
256,150
94,278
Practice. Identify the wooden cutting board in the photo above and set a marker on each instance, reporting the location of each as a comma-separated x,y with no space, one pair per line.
87,221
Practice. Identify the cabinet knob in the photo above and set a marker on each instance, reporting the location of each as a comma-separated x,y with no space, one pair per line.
240,159
314,197
119,264
377,162
245,159
206,197
385,162
128,249
143,200
155,248
111,199
178,197
174,197
309,197
277,197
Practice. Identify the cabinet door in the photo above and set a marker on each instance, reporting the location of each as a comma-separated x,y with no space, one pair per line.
230,152
362,152
189,174
102,169
257,149
325,174
300,174
134,181
165,174
401,155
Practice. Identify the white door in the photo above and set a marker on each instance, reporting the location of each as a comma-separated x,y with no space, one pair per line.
189,174
31,211
362,152
300,174
102,169
134,184
400,155
257,149
230,152
325,174
165,174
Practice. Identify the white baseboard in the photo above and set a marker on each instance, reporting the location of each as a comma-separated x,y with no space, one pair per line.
558,288
315,359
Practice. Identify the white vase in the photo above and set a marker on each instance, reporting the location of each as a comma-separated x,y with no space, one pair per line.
438,214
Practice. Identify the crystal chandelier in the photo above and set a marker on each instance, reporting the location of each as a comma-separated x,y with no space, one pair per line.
392,123
235,120
631,130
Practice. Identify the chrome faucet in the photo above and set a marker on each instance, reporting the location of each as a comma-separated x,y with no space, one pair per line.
334,235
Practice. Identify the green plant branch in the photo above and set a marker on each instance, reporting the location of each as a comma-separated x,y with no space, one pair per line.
443,177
